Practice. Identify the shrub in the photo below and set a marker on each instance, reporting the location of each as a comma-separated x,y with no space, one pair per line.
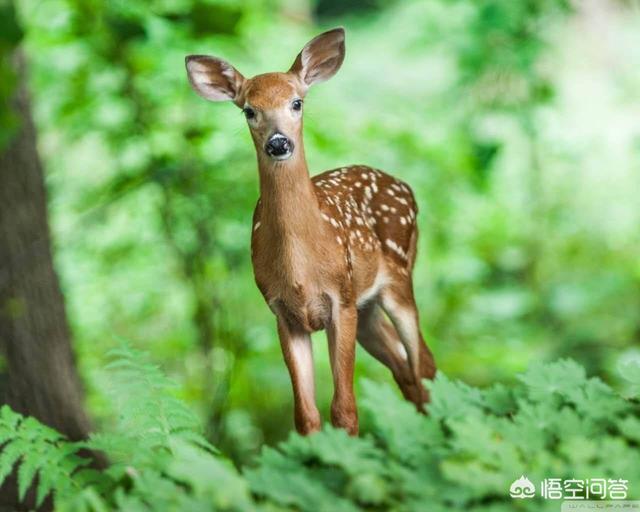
554,423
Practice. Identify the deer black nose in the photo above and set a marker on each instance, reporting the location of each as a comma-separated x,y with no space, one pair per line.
278,146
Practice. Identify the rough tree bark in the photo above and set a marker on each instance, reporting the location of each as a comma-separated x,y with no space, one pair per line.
38,375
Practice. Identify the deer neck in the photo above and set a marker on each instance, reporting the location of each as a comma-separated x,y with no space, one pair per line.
289,208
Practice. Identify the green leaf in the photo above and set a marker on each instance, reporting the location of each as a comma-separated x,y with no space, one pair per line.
45,485
9,454
454,400
26,473
564,378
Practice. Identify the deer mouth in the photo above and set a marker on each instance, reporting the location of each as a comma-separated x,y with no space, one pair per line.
285,156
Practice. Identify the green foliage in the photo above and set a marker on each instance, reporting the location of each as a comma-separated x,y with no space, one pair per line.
493,111
37,450
155,417
464,455
10,36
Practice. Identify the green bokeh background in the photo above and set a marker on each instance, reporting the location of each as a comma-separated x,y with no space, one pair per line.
516,123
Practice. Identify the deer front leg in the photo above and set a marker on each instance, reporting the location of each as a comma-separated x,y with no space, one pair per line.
342,346
298,355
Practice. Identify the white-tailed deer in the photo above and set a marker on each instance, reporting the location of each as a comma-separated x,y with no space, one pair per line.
331,252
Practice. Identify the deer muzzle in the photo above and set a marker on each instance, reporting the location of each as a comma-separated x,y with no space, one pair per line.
279,147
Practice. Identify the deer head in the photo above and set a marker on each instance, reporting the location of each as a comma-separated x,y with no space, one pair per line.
271,102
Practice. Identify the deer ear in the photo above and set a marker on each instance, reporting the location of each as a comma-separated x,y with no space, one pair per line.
321,57
212,78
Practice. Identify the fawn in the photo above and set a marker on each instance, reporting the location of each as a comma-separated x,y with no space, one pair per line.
331,252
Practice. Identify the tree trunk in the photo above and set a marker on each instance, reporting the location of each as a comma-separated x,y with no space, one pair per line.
39,377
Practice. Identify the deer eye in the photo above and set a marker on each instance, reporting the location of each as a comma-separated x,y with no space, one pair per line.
296,105
249,113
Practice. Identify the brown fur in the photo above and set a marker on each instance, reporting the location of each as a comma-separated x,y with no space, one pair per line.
269,91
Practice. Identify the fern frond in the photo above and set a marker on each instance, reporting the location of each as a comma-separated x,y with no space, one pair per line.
11,452
35,449
143,395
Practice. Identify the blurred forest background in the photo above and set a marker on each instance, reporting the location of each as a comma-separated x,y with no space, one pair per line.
517,123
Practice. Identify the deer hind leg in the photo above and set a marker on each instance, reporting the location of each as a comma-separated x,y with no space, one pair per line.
378,337
399,304
298,355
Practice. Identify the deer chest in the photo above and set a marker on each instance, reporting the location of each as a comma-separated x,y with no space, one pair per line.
296,289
